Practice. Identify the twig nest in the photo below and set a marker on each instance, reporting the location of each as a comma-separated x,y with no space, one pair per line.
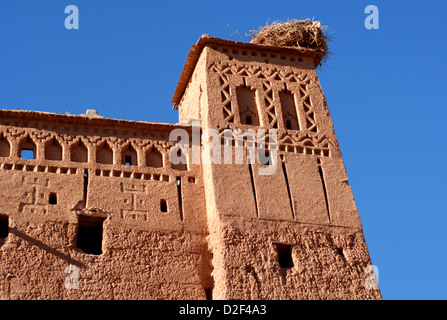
293,33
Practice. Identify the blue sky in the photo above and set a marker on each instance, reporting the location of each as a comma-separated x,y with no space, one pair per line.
385,91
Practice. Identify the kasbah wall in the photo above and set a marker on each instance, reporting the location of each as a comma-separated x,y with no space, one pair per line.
92,208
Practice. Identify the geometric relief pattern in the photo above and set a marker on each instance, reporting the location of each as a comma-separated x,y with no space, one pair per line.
267,75
227,108
34,199
311,124
305,144
139,203
309,115
133,207
269,104
226,102
52,144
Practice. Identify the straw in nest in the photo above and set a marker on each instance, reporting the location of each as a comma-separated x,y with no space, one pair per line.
293,33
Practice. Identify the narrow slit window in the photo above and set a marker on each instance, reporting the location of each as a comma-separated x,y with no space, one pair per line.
284,255
85,186
209,293
178,181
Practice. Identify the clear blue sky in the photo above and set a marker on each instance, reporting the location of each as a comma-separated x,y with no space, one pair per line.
385,90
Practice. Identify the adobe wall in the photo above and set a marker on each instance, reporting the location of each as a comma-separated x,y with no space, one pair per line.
196,231
306,206
146,253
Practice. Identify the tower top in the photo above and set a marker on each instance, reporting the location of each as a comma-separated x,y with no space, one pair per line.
208,41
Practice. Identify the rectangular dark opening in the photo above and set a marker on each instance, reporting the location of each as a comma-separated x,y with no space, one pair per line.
89,238
4,226
53,198
284,255
52,169
137,175
128,160
163,205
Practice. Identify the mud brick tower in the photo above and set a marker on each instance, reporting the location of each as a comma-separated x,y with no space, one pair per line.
93,208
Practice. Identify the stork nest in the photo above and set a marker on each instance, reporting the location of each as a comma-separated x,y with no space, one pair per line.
302,34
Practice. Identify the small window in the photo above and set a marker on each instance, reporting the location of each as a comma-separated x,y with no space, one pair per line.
89,238
27,154
341,253
248,120
4,226
163,205
128,160
53,198
284,255
27,149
